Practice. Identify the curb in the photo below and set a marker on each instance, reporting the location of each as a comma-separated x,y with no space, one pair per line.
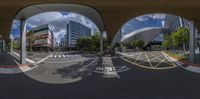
16,69
19,68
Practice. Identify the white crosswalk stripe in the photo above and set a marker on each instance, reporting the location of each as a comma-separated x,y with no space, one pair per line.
62,56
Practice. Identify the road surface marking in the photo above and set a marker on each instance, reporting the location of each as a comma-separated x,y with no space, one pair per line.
174,65
162,60
63,55
51,56
55,56
138,57
59,56
148,60
159,68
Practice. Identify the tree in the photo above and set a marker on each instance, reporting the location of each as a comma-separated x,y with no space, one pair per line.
168,42
84,43
133,44
116,45
95,40
89,43
140,43
180,37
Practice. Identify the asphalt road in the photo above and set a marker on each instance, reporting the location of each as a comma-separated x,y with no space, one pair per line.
62,68
134,83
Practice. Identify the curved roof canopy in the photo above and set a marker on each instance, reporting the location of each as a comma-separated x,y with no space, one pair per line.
114,13
145,34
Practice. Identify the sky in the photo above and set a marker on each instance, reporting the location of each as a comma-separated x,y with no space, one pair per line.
148,20
57,20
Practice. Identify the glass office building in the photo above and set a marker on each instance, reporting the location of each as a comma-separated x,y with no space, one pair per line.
76,30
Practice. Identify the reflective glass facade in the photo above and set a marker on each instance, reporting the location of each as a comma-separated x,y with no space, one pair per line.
76,30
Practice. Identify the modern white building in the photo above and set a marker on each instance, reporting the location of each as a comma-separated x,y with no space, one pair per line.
43,38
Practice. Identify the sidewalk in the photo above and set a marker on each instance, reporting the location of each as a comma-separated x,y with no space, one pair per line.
184,64
34,59
10,64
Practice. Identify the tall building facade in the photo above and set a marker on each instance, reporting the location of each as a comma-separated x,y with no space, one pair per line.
75,30
43,38
173,22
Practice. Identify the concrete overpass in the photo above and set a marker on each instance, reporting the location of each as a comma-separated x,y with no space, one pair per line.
146,34
113,13
108,15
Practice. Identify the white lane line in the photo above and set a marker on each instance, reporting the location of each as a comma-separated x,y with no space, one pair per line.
162,60
146,66
138,57
55,56
59,56
63,55
148,60
67,55
76,60
169,59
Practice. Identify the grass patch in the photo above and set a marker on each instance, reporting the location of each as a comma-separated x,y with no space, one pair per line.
176,56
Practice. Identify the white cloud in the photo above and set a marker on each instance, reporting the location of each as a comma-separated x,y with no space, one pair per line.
157,16
142,18
43,18
15,24
163,23
152,16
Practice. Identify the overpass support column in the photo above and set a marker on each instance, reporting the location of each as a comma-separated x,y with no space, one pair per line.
11,46
101,43
4,46
22,41
192,41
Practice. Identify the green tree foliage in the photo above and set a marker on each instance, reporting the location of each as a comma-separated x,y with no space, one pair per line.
116,45
14,45
180,37
135,43
167,41
140,43
89,43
